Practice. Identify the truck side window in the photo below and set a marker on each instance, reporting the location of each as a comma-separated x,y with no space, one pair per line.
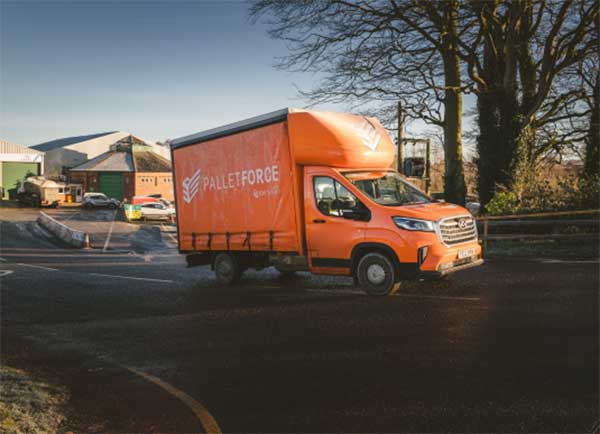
344,199
332,197
325,194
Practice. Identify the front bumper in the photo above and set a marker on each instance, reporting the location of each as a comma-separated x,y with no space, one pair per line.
458,265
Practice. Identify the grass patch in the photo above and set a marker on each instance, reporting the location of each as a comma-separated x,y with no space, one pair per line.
28,404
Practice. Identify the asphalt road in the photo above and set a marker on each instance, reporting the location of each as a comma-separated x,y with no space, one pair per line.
512,346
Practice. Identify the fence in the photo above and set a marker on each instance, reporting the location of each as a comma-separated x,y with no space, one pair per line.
517,220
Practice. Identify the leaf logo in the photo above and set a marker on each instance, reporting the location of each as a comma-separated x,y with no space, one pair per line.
190,186
368,134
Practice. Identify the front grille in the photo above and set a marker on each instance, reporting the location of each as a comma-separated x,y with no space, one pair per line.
456,230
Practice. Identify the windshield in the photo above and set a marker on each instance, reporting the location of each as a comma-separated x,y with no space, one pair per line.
386,188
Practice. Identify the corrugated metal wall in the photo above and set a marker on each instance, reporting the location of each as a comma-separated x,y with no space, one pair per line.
11,148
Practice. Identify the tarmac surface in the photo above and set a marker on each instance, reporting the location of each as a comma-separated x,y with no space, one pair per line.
144,344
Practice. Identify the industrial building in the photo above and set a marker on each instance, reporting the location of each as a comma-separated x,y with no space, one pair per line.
63,154
130,168
17,162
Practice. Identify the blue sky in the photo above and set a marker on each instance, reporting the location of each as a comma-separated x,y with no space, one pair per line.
156,69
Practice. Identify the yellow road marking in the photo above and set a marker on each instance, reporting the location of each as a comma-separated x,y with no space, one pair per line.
395,288
208,422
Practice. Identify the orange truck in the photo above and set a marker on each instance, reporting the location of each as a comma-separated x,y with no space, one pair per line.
309,190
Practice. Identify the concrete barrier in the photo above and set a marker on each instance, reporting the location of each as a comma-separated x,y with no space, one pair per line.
70,236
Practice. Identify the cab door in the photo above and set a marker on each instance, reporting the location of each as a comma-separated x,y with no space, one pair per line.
335,222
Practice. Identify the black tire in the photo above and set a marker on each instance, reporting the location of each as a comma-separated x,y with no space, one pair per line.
227,269
376,274
112,205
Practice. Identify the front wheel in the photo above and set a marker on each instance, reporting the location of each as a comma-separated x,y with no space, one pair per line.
227,269
376,274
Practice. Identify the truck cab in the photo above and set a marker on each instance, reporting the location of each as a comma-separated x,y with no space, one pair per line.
309,190
375,226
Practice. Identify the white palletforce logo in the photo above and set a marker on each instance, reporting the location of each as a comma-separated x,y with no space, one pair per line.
190,186
368,134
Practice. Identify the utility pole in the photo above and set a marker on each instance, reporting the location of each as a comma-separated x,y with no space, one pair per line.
428,166
400,137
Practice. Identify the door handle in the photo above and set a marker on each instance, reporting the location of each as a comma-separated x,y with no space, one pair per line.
318,221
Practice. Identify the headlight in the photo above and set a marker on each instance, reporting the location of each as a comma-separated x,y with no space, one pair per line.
414,224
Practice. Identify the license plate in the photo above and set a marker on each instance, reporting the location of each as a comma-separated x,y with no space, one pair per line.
465,253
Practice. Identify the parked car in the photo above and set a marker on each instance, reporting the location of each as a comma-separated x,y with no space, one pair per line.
166,203
140,200
156,210
99,200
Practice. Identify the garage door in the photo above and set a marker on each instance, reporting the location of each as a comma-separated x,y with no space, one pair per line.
111,184
12,173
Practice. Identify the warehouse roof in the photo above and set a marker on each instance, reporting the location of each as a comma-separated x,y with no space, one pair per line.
127,159
67,141
112,161
148,161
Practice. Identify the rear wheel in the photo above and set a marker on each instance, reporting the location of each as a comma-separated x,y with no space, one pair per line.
227,269
376,274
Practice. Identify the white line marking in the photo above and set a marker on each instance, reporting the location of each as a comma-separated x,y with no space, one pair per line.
5,272
169,234
37,266
2,260
132,278
208,422
440,297
112,225
567,261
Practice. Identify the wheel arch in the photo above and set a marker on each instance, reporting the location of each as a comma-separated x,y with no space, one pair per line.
362,249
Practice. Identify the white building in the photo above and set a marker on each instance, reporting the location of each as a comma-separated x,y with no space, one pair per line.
17,162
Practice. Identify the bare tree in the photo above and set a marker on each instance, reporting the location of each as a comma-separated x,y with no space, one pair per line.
516,56
372,54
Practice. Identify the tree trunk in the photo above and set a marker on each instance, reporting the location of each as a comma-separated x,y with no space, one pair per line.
488,145
592,149
454,180
499,142
527,73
